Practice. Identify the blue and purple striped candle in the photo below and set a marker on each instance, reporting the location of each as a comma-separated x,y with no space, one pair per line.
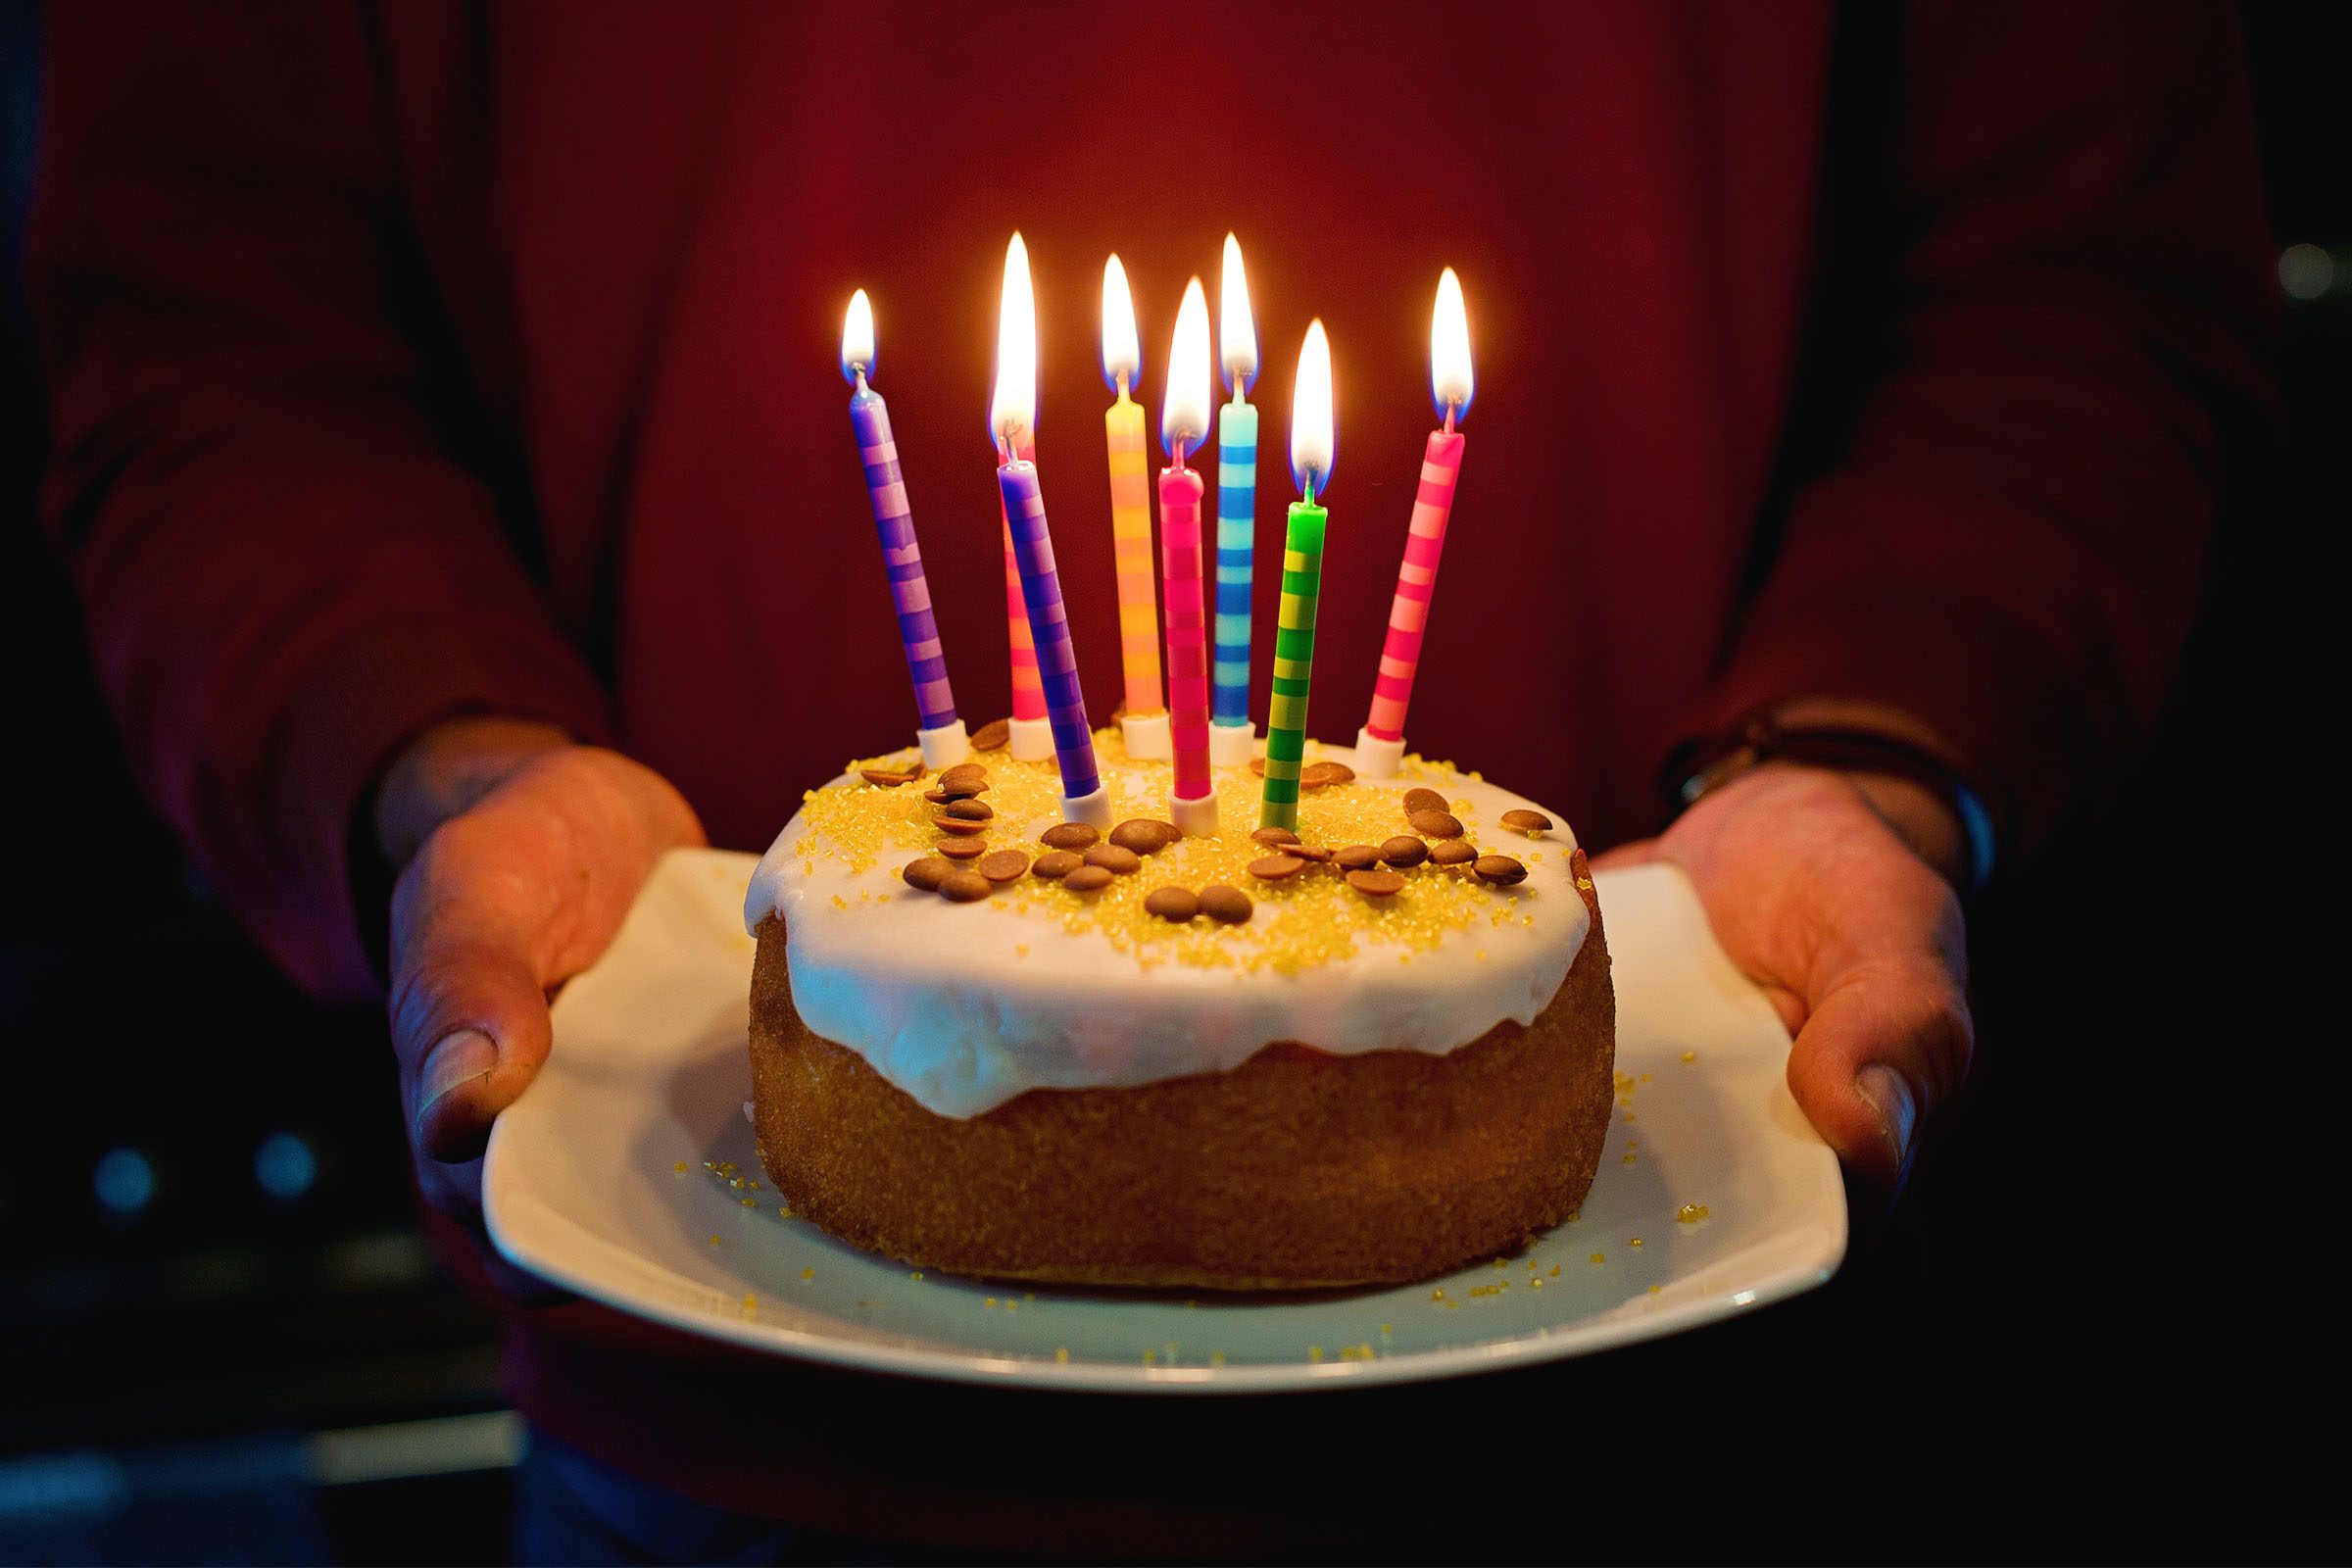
894,524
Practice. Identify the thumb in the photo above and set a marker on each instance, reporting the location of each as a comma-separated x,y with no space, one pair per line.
471,1028
1881,1044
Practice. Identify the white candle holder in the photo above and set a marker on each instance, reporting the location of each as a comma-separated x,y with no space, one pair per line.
1197,818
1376,758
943,748
1030,739
1232,745
1147,736
1093,809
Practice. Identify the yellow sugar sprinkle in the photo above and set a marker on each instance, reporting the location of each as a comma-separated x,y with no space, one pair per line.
987,1300
1385,1329
1149,1357
914,1274
1028,1296
1555,1271
1534,1284
840,902
784,1209
1308,920
714,1241
1656,1289
679,1167
751,1303
1436,1294
807,1273
1691,1213
1629,1159
1020,949
750,1202
1598,1258
1061,1353
1314,1353
1690,1056
1634,1242
1217,1359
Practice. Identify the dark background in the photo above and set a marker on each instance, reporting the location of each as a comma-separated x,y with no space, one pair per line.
2099,1294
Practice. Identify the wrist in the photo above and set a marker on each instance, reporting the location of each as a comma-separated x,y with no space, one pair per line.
1898,767
445,770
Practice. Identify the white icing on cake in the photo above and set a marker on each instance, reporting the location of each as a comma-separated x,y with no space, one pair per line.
966,1006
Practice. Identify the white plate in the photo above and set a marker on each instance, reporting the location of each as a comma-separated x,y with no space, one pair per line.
595,1180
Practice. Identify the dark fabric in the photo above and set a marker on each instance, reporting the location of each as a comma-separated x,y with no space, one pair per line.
435,358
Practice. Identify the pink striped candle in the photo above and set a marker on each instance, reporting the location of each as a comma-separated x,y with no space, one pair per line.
1183,426
1380,744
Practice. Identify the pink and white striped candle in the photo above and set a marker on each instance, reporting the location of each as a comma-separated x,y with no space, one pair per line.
1183,426
1380,744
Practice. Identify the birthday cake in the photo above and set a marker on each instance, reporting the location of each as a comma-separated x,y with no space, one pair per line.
988,1040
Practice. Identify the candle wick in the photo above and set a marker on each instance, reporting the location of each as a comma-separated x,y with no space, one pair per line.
1122,386
1453,407
860,370
1312,480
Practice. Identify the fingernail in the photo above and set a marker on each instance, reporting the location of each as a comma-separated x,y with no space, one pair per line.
457,1059
1890,1097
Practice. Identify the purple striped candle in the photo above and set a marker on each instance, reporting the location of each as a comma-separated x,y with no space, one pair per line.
902,558
1416,581
1050,628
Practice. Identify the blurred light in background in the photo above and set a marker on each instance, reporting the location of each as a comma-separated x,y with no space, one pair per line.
2306,272
124,1182
285,1167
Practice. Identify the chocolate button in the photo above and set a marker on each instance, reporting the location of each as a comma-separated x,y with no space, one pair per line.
1272,835
1401,850
1431,824
1357,856
965,887
1087,879
1274,867
969,811
1002,866
992,736
963,849
1173,904
1423,799
1057,863
1226,905
1376,884
1500,869
1145,835
1068,836
927,873
1527,822
1453,852
1115,859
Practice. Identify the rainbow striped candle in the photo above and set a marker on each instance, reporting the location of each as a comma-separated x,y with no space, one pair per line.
1380,744
1237,510
1311,452
1012,425
1143,724
1182,422
939,732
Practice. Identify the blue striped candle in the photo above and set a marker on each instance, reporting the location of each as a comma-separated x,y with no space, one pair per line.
1237,528
1050,626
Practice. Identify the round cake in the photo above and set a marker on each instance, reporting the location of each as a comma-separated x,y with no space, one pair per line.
986,1043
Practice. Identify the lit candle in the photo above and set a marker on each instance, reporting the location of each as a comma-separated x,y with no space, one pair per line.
1380,744
937,731
1311,451
1232,736
1182,422
1145,725
1013,422
1029,736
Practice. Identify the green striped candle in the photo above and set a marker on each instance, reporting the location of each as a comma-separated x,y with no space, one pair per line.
1301,582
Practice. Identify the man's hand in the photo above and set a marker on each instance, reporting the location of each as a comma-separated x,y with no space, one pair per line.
522,852
1818,884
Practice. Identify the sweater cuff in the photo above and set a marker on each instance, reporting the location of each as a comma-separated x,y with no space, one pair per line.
1983,682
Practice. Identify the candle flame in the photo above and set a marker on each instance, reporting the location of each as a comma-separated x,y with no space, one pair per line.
1449,380
1122,354
1183,412
1012,411
1311,435
1238,338
858,338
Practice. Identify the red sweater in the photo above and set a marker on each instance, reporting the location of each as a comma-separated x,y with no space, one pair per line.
427,359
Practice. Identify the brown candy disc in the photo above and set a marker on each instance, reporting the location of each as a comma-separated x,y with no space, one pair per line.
1274,867
1307,852
1002,866
1068,836
1226,905
1087,879
1500,869
992,736
1437,824
1272,835
1316,776
1145,835
1173,904
1376,884
1453,852
1403,850
1423,798
1054,864
1257,765
969,811
927,873
1116,858
964,886
1357,856
887,778
958,824
1529,822
963,849
965,778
